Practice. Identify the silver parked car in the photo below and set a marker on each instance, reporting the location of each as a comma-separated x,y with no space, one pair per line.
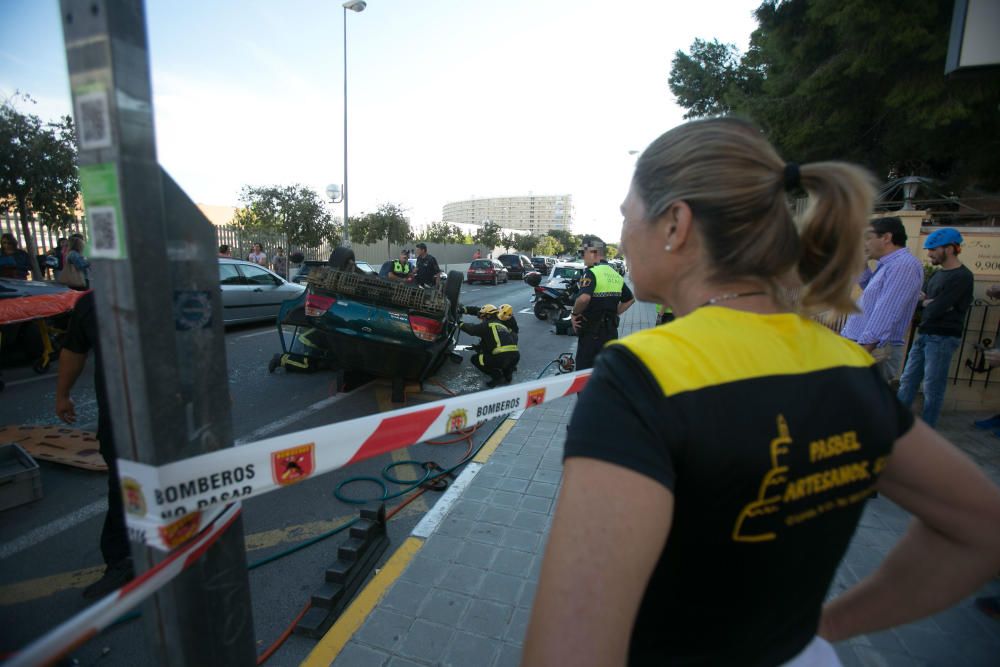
250,292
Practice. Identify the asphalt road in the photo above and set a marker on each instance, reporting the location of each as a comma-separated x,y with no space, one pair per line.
49,548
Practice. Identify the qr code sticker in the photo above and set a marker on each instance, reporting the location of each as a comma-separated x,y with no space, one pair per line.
93,120
104,241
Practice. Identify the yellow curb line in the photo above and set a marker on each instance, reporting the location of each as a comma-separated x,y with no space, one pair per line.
333,642
329,647
494,441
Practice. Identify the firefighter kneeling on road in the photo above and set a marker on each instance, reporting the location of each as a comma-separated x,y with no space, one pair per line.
496,353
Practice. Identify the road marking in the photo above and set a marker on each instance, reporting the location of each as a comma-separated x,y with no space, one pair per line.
33,589
100,506
257,333
268,429
53,528
441,508
43,376
333,642
298,533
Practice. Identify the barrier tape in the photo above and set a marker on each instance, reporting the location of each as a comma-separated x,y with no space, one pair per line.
92,620
166,505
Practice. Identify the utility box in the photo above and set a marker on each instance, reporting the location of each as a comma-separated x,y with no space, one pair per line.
20,478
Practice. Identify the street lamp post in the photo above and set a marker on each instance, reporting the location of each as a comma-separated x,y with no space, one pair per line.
354,6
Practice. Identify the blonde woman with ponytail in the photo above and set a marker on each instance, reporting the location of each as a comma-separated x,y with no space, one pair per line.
716,467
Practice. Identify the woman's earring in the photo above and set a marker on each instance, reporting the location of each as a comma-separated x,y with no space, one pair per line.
668,247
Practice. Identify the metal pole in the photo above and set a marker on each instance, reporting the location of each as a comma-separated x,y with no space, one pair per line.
347,233
155,278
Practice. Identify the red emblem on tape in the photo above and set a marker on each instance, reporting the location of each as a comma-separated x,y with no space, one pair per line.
457,420
178,532
535,397
293,465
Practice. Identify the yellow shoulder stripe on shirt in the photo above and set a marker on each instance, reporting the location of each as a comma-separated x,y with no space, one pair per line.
714,346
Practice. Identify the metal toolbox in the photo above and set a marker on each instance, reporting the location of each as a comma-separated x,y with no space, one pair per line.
20,478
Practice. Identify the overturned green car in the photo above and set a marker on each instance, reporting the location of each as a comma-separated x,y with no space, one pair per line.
351,319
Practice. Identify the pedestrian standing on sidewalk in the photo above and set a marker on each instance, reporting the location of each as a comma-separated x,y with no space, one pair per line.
944,302
279,263
889,297
716,469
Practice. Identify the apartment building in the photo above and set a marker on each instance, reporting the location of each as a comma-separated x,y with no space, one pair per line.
536,214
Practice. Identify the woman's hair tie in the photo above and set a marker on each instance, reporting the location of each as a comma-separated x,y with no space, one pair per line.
791,176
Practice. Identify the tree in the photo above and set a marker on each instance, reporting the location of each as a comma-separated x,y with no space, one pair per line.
858,81
294,211
38,172
611,251
387,222
705,81
568,242
489,235
526,243
548,246
443,232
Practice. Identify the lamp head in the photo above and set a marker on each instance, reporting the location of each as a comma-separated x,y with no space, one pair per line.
333,192
355,5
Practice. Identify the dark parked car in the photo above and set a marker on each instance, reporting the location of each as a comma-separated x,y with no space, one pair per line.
517,265
364,322
543,264
486,271
250,292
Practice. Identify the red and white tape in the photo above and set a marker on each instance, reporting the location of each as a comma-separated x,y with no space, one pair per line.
88,623
161,501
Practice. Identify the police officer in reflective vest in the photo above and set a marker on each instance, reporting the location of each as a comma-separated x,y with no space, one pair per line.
496,353
603,296
401,266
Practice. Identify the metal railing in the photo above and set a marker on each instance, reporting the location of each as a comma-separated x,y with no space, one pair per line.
981,332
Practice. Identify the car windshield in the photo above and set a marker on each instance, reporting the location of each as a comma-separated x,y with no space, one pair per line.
567,272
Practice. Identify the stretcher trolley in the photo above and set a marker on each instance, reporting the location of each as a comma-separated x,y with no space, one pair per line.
35,312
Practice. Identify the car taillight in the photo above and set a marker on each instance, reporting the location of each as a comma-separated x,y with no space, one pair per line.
425,328
316,305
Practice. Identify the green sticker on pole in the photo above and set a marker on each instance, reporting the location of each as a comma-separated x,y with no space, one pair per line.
99,183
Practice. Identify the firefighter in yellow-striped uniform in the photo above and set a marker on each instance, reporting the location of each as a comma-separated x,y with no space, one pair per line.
496,353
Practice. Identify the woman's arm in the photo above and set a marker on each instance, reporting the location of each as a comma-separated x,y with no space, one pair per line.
607,535
951,548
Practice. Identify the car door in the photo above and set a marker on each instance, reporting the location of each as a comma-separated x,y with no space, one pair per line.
235,294
265,293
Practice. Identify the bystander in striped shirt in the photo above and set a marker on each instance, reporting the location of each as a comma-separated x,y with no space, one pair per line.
889,299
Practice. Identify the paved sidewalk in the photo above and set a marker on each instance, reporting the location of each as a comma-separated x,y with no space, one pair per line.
465,597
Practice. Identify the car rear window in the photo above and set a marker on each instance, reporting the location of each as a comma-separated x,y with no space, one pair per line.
567,272
481,264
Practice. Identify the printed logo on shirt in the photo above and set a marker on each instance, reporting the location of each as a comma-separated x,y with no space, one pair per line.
801,483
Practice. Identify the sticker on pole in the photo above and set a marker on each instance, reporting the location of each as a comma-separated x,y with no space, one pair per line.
106,231
93,120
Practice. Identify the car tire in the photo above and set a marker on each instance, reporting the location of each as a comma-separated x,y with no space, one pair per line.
496,281
452,288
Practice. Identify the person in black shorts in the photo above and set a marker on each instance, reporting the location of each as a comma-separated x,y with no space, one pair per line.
716,468
80,340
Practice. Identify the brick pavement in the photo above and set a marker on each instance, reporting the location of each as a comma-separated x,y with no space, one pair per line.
465,597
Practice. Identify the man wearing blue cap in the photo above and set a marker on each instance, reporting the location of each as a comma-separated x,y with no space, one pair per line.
945,300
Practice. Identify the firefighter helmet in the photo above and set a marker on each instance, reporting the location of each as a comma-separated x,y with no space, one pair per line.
488,310
505,312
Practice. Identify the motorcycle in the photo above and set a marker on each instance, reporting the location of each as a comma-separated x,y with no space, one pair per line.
554,304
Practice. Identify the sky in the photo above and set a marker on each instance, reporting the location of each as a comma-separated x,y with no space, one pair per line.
447,99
